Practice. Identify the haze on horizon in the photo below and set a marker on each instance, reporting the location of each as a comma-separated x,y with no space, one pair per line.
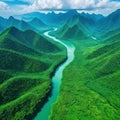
16,7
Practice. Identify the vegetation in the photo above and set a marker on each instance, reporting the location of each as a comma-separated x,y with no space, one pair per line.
90,86
38,25
91,83
27,62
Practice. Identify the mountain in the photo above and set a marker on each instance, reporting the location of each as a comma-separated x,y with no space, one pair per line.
3,24
38,24
94,17
22,25
28,39
110,34
95,87
35,24
27,42
90,24
56,20
30,16
50,19
109,23
77,27
27,62
70,33
11,21
97,24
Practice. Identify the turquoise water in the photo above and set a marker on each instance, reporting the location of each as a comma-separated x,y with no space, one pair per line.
56,79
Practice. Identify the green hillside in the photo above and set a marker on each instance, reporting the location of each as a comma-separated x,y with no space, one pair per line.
28,41
78,27
70,33
18,62
90,87
109,23
91,83
20,24
3,24
27,62
38,24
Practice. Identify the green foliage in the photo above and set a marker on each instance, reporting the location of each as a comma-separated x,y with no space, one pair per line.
9,91
71,32
4,75
25,106
105,49
112,65
16,62
27,42
27,62
91,83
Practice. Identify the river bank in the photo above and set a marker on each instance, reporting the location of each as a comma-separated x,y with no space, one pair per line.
56,79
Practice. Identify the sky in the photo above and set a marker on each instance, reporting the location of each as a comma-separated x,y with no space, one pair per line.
15,7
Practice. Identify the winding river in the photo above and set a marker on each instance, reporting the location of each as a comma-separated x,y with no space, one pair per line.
56,79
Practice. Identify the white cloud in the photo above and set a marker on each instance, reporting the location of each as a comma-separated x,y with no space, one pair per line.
102,3
57,12
82,4
45,4
36,5
92,4
104,7
97,6
3,6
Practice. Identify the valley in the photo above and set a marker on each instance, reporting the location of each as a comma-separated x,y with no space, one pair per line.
56,78
87,89
90,85
72,73
25,72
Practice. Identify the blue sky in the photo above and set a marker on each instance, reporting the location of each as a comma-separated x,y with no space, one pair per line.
14,7
15,2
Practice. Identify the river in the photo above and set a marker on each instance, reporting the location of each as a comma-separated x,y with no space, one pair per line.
56,79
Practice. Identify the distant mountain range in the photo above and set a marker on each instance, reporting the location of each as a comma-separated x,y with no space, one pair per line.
88,23
36,24
54,19
109,23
